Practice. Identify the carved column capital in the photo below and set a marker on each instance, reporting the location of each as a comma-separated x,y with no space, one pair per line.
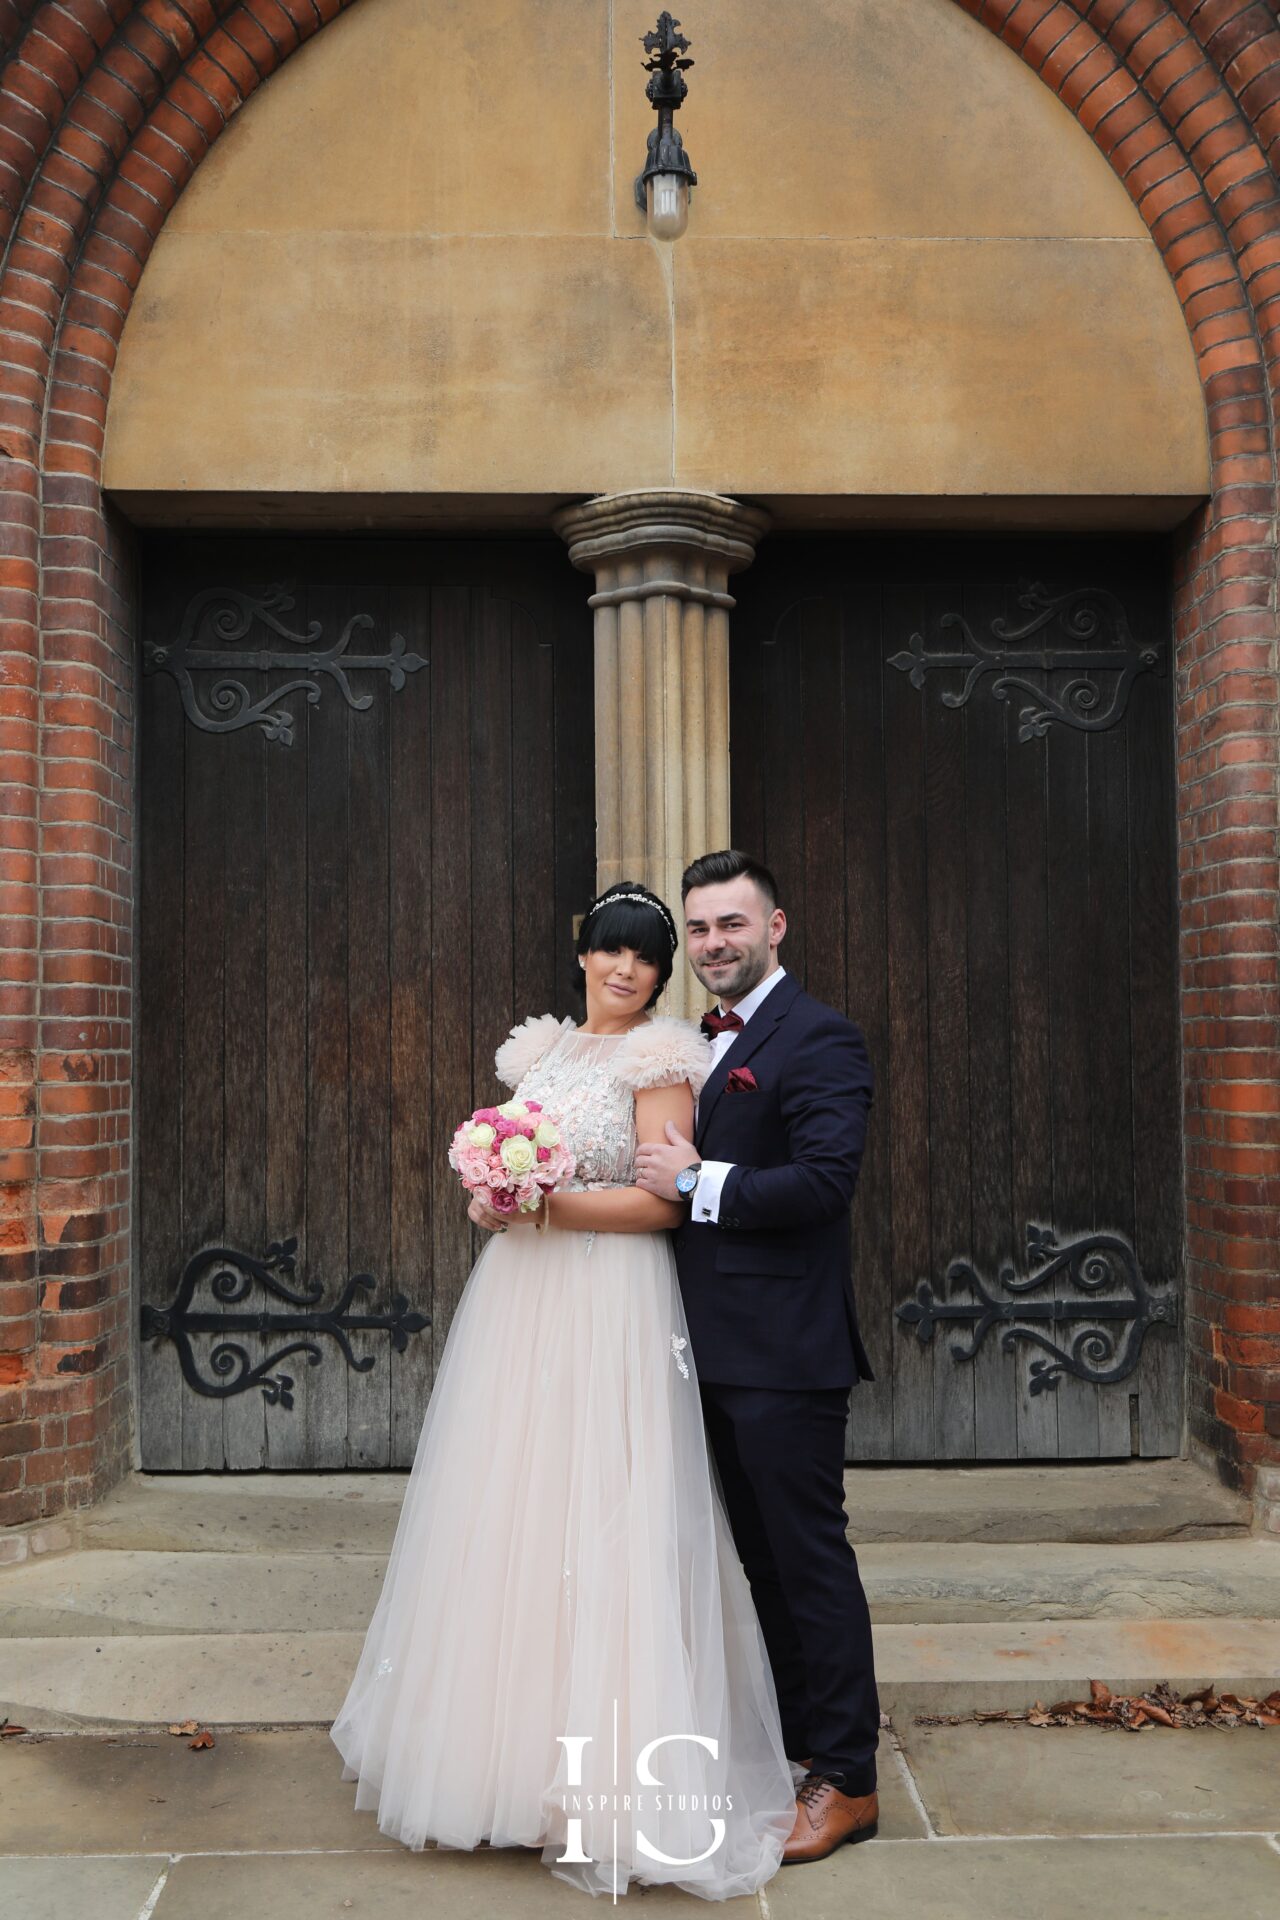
701,532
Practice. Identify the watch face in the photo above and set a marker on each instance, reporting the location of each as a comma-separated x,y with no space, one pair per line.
686,1179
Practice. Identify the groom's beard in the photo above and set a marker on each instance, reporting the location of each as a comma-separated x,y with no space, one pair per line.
735,981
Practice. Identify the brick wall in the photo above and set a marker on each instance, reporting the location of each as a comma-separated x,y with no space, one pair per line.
106,107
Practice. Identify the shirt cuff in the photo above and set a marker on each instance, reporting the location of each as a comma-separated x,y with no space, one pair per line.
706,1195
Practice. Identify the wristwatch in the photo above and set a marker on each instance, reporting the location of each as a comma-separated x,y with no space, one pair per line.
687,1178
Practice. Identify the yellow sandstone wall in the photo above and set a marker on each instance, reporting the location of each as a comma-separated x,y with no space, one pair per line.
908,272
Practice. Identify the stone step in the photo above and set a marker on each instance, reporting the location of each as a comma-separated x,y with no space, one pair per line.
1127,1501
123,1591
284,1679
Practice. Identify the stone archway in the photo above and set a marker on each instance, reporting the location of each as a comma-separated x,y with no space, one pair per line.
107,109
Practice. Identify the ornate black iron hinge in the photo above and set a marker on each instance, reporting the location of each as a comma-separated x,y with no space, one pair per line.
1101,1354
231,1275
1084,615
228,616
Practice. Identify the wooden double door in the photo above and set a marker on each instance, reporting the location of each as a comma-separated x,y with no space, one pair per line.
958,759
367,821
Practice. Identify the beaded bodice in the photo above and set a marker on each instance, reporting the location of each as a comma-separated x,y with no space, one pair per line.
596,1112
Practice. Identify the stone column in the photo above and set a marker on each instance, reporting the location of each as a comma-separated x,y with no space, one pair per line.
661,561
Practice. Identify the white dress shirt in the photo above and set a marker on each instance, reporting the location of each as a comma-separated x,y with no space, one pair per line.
706,1195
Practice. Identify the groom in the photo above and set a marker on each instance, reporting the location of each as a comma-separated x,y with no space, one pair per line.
763,1260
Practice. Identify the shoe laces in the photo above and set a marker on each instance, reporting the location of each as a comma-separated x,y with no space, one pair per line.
811,1789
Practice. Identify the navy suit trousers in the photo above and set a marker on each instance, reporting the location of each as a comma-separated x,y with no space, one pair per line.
779,1452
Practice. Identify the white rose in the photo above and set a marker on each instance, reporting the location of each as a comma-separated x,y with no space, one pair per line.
514,1110
481,1135
517,1154
546,1135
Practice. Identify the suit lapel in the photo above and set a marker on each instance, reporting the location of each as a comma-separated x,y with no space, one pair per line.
752,1037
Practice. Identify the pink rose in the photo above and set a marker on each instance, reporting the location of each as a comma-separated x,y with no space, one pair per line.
505,1128
544,1153
534,1106
503,1202
488,1114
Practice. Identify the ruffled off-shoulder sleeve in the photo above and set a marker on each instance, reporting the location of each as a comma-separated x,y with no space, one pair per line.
662,1053
526,1044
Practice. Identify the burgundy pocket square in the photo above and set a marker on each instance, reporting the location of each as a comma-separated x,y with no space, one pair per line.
741,1080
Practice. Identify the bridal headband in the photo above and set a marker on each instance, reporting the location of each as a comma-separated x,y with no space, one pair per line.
607,900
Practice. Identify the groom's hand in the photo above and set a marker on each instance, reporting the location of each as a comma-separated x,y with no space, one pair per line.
657,1166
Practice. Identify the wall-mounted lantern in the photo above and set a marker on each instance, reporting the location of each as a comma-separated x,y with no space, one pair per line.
662,190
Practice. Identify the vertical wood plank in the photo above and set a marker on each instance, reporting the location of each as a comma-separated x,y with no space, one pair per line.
328,1052
1155,1063
870,1433
905,611
1072,1042
493,806
159,1178
993,1238
945,1014
535,917
413,1136
452,1241
783,690
1030,1057
368,1423
286,964
819,671
243,756
1111,1055
204,897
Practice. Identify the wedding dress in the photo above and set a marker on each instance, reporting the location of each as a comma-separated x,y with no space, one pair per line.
563,1587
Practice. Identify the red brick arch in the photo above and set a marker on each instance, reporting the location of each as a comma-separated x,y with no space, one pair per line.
106,108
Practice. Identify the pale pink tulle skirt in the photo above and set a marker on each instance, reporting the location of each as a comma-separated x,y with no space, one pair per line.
563,1564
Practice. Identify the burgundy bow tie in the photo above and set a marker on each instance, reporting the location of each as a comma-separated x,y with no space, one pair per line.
716,1022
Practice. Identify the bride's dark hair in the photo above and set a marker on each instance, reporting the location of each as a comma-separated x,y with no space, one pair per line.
628,914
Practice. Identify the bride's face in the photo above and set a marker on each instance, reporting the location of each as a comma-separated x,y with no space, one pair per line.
619,984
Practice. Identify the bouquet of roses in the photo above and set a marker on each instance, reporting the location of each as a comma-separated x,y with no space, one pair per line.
511,1154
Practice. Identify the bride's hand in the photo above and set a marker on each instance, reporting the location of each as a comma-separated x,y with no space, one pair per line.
486,1216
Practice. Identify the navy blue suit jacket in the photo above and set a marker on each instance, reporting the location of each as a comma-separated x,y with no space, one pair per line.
768,1292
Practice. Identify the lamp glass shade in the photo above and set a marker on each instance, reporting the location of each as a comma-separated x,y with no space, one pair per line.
667,205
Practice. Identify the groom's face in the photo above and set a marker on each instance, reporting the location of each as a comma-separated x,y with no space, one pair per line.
731,935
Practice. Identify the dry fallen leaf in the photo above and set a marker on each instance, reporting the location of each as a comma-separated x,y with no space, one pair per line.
7,1728
1160,1707
185,1726
203,1739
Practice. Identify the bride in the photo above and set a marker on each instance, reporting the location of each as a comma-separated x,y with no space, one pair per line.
565,1653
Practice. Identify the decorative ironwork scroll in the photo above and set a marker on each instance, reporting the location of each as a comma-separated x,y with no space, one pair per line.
228,616
232,1275
1100,1354
1084,615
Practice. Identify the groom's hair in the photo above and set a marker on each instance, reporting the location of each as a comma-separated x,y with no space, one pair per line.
715,868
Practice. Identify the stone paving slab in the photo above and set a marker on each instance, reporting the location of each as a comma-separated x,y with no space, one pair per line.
1146,1879
268,1679
963,1665
101,1592
356,1513
56,1889
129,1591
1075,1780
402,1886
151,1793
229,1679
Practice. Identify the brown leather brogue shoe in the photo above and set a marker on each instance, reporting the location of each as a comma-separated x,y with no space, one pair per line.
826,1818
